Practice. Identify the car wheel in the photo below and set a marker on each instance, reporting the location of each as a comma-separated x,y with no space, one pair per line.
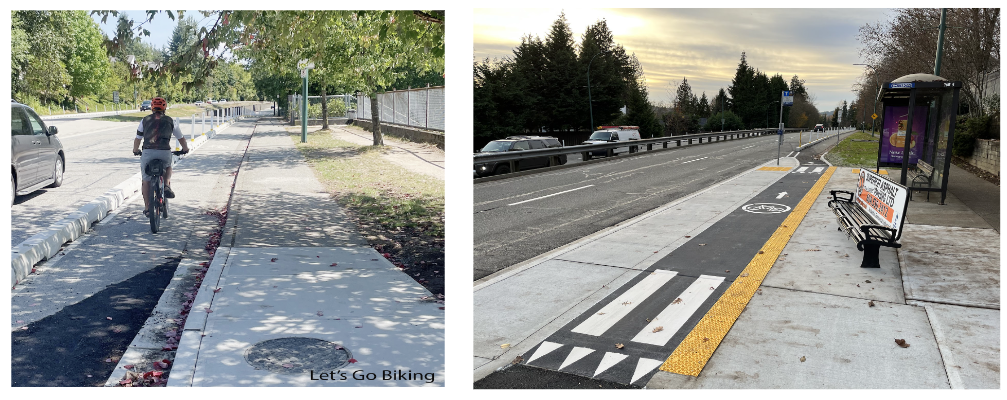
58,173
503,169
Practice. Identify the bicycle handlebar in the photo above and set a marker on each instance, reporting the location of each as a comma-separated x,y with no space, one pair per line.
177,153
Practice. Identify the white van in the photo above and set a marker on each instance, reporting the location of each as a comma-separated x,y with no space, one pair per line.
609,134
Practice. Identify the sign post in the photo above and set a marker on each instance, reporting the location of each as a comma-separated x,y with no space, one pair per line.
304,66
786,100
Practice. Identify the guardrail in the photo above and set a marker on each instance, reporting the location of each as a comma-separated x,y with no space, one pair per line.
514,158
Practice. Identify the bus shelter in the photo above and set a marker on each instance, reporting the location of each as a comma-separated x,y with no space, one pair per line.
921,108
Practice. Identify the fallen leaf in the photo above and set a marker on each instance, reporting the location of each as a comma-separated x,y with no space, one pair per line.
333,264
288,365
24,328
678,300
758,292
505,345
320,314
125,382
870,304
273,259
744,275
658,329
517,360
702,244
902,343
626,303
706,339
208,310
130,366
802,359
762,252
867,281
217,290
352,360
619,346
688,236
727,271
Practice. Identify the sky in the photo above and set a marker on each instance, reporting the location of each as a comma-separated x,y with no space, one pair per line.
705,45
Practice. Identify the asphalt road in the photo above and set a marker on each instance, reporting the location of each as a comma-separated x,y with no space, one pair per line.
99,156
519,218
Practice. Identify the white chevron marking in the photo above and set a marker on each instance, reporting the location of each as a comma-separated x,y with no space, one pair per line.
543,349
608,361
644,366
576,354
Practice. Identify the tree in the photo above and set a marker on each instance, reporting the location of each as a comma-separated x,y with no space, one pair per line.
561,76
907,43
639,112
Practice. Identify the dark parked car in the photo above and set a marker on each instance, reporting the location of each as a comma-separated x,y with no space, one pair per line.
145,105
517,143
36,155
819,128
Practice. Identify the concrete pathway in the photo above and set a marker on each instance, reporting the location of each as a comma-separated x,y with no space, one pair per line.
294,297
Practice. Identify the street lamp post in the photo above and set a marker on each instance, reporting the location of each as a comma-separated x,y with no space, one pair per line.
590,105
873,120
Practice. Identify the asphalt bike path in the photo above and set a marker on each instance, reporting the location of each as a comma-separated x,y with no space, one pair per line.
650,315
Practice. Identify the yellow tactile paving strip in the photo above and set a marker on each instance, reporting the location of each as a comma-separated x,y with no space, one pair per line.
775,169
696,349
883,171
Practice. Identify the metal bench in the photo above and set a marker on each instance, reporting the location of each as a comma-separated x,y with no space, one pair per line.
873,216
924,173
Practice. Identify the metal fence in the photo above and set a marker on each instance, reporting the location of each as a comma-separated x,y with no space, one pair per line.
418,108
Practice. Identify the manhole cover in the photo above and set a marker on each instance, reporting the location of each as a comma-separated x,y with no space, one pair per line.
297,355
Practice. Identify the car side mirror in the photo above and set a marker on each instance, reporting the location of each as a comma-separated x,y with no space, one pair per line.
53,130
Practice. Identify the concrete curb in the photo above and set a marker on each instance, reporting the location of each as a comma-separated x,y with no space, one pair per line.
47,244
809,144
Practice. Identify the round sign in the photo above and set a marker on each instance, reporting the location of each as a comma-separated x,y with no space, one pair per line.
766,208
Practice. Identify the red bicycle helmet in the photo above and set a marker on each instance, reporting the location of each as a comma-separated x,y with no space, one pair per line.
158,103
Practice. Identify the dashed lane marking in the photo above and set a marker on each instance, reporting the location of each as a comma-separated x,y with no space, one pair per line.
670,321
695,350
614,311
554,194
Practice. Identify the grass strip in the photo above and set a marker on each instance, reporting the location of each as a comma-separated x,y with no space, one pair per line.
399,212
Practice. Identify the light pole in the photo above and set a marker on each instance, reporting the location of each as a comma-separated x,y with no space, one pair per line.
873,120
590,106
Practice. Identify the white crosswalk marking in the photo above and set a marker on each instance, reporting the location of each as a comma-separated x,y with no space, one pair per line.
608,361
576,354
608,316
801,170
818,170
543,349
678,312
644,366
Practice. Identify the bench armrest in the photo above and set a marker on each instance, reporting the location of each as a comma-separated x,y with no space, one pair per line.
866,229
835,192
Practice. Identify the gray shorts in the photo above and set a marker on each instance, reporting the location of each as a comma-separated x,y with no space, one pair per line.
147,155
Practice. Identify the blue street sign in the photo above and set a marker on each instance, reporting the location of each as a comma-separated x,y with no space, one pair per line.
909,85
788,98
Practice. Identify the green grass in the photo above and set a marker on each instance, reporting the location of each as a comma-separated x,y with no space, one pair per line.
857,150
381,194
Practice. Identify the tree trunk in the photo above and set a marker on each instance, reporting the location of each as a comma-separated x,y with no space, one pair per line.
325,111
376,121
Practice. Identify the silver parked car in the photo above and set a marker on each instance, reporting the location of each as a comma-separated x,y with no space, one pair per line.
36,155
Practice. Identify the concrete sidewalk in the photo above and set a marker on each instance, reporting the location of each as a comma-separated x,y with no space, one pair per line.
294,297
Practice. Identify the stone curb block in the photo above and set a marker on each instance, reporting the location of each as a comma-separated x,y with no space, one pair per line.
204,296
185,360
46,244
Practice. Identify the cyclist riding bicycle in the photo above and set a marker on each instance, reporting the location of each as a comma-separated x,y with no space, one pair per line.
155,133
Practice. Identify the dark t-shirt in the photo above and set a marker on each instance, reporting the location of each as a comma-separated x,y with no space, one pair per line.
157,130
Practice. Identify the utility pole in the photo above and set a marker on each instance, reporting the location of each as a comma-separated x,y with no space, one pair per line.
940,42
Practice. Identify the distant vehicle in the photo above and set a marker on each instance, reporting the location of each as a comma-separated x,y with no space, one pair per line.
36,155
222,101
517,143
199,103
145,105
609,134
819,128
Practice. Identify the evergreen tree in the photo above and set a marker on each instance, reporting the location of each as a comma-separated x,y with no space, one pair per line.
610,72
703,106
561,77
845,115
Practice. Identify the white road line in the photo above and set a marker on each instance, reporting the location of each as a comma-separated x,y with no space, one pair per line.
818,170
801,170
677,313
795,155
554,194
609,315
644,366
543,349
576,354
695,160
608,361
791,152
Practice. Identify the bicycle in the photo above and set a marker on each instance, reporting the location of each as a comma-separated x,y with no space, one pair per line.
158,207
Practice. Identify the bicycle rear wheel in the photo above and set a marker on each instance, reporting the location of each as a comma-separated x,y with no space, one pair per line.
155,204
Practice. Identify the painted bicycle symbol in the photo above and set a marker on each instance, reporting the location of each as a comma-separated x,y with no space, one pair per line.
766,208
